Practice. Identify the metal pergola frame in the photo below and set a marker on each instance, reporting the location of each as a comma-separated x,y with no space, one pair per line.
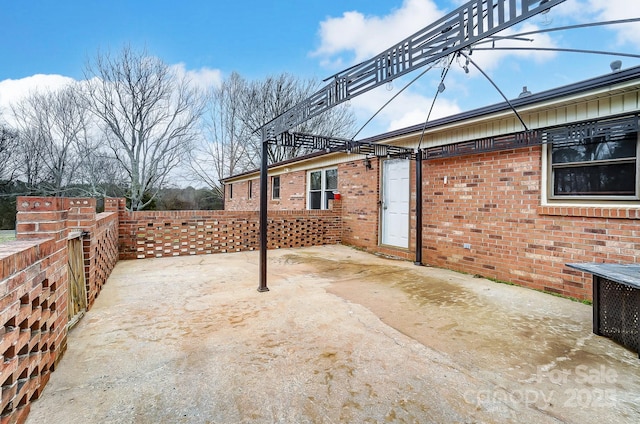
471,23
330,145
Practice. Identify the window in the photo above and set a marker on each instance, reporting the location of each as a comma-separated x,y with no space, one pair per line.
275,187
594,161
321,183
250,189
230,191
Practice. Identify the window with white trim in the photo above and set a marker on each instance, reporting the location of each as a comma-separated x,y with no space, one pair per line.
321,185
594,161
275,187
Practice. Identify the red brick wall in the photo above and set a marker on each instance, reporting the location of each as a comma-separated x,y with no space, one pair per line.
33,302
292,194
149,234
34,290
241,199
33,318
359,189
492,202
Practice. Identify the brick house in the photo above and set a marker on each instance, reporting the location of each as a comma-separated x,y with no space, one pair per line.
497,202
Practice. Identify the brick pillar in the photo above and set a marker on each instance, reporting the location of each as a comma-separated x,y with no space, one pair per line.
82,214
46,217
119,204
114,204
41,217
336,206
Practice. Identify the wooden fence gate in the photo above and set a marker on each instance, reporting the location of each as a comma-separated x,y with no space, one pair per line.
77,288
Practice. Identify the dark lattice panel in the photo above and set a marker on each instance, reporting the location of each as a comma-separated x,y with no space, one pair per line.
620,313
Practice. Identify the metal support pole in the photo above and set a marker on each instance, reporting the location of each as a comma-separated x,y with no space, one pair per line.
263,214
418,260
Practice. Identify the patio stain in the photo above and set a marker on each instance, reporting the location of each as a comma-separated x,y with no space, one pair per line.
472,324
455,316
420,288
435,291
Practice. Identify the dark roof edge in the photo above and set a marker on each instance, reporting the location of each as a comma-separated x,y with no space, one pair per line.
574,88
274,165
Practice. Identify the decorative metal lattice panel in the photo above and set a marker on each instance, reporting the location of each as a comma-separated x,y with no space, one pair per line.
474,21
620,313
585,132
482,145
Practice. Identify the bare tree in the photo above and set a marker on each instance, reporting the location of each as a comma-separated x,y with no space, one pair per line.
238,108
52,125
98,173
8,154
30,156
150,117
223,151
273,96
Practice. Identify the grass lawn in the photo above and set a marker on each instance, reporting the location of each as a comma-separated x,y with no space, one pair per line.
7,235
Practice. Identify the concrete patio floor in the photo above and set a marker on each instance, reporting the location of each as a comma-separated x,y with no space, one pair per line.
343,336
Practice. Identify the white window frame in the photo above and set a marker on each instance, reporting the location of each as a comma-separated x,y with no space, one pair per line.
323,190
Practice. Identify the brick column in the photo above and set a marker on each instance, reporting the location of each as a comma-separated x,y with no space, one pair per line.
126,226
41,218
114,204
336,206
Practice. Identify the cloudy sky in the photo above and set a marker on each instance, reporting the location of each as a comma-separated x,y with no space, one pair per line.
46,43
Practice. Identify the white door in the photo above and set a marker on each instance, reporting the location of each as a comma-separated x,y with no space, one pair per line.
395,202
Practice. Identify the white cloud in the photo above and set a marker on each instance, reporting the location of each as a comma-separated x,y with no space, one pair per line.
12,91
491,59
418,113
203,78
354,37
409,108
607,10
363,36
585,11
